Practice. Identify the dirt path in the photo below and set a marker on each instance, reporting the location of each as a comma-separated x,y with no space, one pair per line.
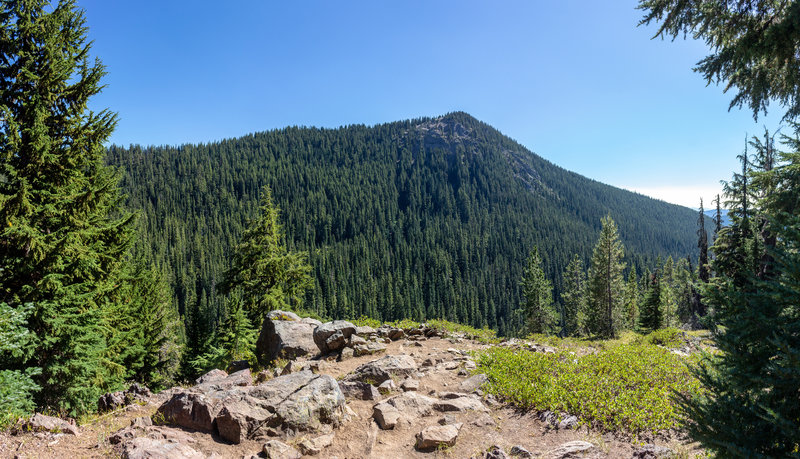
360,436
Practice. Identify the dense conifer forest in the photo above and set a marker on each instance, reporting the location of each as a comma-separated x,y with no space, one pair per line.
425,218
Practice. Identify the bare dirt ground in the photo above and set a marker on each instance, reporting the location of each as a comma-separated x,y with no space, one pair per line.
360,436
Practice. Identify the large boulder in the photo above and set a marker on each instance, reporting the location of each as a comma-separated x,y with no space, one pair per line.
192,410
298,402
378,371
43,423
407,406
332,336
285,336
149,448
438,436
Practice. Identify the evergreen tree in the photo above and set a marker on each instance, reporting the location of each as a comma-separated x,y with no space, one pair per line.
604,317
632,300
63,236
717,218
753,43
267,274
652,314
17,345
234,341
702,243
757,369
574,297
537,292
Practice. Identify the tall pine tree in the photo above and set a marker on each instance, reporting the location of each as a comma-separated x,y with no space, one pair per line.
574,297
62,236
263,270
537,293
605,289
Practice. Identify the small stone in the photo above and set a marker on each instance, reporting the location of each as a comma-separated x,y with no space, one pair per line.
570,422
275,449
41,423
484,420
451,365
387,387
213,375
355,340
495,452
436,436
410,384
653,452
359,390
519,451
315,446
385,415
569,449
447,419
141,422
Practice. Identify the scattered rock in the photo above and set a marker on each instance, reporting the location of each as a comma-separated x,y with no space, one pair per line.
284,339
472,383
452,365
110,401
495,452
356,340
408,406
188,409
212,375
654,452
436,436
365,331
332,336
148,448
483,420
385,415
568,449
359,390
315,446
395,334
447,419
378,371
410,384
463,403
141,422
387,387
519,451
41,423
372,347
570,422
275,449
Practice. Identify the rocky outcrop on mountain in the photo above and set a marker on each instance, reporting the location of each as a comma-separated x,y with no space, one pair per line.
284,335
298,402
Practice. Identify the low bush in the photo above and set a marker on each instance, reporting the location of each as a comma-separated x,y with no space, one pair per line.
623,387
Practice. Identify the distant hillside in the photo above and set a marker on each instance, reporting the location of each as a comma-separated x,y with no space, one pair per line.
712,214
423,218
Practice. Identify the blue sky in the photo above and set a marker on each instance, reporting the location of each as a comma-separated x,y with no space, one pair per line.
577,82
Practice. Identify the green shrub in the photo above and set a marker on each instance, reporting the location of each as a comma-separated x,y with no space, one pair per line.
621,387
365,321
667,337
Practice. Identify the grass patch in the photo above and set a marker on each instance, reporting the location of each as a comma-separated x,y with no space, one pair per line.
623,387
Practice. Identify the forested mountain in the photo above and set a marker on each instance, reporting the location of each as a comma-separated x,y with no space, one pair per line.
425,218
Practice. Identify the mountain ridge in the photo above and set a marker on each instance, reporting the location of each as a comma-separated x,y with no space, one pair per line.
423,218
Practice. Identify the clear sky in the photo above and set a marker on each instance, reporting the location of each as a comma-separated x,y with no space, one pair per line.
577,82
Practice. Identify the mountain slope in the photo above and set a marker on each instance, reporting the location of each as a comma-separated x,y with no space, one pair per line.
422,218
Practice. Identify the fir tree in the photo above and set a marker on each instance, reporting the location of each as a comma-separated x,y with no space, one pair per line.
63,236
267,275
537,293
17,345
574,297
632,300
702,244
606,283
234,341
652,314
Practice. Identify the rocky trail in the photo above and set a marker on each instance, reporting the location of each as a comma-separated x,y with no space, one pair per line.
344,392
